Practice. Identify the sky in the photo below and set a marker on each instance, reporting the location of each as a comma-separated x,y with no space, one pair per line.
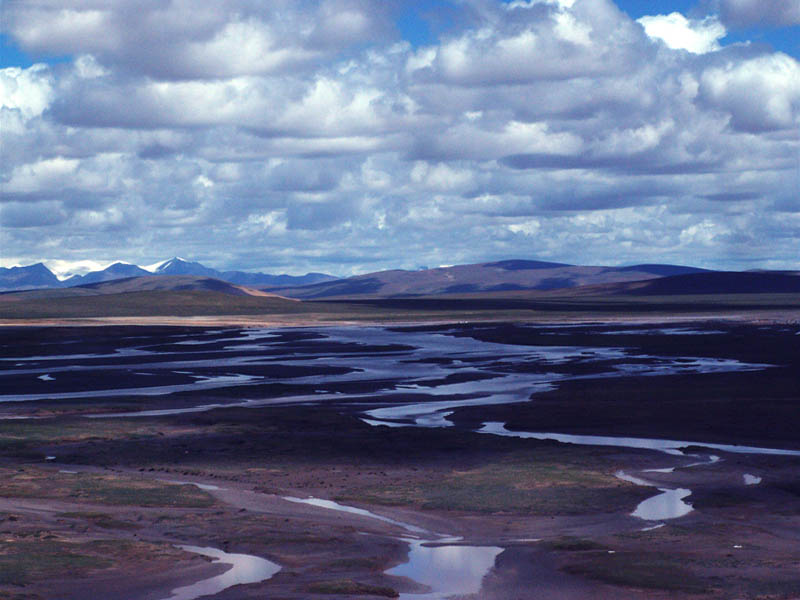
350,136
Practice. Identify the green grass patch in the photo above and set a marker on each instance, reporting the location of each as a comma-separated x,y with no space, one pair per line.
141,493
31,440
23,562
101,489
546,483
50,432
102,520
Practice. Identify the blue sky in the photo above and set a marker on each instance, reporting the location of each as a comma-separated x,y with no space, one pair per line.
350,136
781,38
11,55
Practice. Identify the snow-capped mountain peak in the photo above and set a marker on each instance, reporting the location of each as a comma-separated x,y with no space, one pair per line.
158,266
180,266
63,273
64,269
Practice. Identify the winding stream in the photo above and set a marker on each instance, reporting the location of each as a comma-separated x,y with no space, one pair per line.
244,568
331,505
412,378
668,504
448,570
667,446
439,563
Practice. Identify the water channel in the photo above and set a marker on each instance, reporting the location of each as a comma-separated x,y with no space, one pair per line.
244,569
413,379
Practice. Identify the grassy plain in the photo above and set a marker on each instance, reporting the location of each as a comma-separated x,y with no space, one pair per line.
204,307
109,510
117,508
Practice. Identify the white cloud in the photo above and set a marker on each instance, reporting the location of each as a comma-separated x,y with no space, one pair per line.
636,140
61,30
526,44
556,129
42,175
242,48
703,233
87,67
331,108
760,94
527,227
569,29
442,177
679,33
273,222
109,218
186,39
421,59
29,91
65,268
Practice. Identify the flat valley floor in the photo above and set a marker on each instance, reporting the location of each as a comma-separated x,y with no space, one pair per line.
496,461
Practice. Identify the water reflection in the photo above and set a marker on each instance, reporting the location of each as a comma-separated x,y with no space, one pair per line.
398,360
668,504
244,569
668,446
199,382
331,505
203,486
446,570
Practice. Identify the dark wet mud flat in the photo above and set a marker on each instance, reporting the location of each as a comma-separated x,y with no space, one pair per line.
556,511
254,364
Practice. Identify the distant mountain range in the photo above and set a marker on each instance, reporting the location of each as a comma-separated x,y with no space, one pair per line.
25,278
39,276
502,276
507,277
466,288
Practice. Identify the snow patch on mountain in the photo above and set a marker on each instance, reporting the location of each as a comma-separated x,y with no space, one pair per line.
64,269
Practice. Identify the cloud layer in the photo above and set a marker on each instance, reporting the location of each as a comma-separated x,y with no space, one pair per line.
749,13
309,135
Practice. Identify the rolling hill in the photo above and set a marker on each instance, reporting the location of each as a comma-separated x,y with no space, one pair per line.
503,276
174,283
191,297
148,283
717,282
180,295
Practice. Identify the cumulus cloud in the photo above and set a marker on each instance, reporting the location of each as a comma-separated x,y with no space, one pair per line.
760,94
185,39
535,41
679,33
317,140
